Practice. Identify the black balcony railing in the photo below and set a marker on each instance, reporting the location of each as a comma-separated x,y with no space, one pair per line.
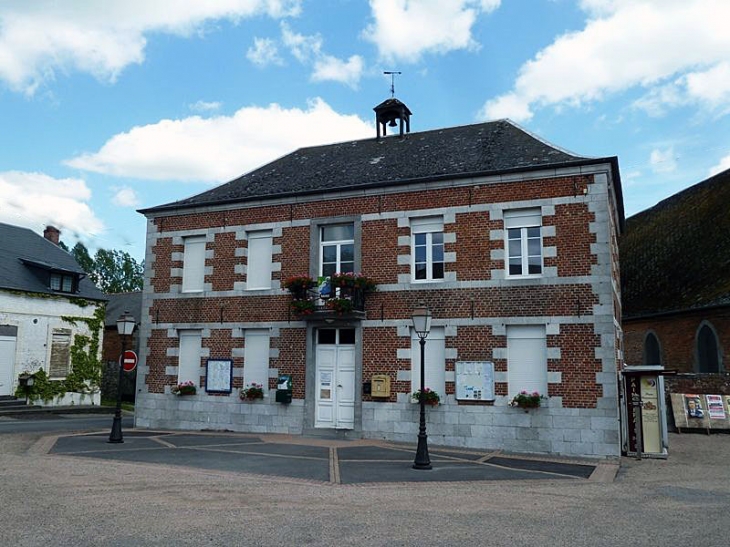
342,295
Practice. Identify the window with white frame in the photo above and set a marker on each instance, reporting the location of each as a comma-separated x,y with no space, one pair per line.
256,358
336,249
193,264
258,268
526,359
435,371
427,248
523,228
188,367
60,361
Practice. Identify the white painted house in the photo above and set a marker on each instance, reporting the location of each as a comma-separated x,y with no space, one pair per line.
46,301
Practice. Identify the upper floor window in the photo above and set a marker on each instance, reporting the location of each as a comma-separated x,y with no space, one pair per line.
62,282
336,249
427,248
524,242
258,269
708,355
193,264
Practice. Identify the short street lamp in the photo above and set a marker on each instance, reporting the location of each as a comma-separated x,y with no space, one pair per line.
125,327
422,325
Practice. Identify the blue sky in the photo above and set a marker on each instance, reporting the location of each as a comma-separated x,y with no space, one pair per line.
109,106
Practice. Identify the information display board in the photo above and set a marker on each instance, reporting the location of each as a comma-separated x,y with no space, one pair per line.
475,380
219,376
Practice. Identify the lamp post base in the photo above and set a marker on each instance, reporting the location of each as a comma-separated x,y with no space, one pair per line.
422,460
116,435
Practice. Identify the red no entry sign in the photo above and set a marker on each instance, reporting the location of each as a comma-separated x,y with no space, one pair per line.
129,361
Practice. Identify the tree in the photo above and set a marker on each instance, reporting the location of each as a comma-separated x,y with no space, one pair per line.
110,270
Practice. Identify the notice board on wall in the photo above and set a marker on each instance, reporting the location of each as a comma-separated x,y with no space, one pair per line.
475,380
218,376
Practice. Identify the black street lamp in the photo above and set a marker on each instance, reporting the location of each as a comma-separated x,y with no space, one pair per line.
125,327
422,325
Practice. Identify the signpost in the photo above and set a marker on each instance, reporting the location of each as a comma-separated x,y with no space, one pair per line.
129,361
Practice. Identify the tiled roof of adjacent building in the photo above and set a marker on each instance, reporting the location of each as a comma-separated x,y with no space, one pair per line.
23,253
123,302
455,152
676,255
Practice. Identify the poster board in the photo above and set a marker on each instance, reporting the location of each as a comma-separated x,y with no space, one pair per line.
475,381
701,411
219,376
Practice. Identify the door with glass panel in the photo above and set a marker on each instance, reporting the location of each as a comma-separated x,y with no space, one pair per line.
335,379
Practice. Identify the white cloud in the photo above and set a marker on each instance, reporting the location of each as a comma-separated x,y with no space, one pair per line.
308,49
125,197
36,199
403,30
723,165
663,160
264,52
333,69
41,38
303,47
677,49
220,148
205,106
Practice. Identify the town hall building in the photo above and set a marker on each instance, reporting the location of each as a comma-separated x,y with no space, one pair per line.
302,277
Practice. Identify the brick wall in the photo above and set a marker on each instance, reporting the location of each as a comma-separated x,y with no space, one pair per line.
677,337
474,300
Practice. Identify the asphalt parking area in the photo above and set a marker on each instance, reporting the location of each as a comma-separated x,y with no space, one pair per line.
359,462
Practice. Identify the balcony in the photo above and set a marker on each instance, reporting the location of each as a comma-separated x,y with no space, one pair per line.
340,296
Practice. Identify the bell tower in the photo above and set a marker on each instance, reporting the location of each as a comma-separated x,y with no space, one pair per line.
390,110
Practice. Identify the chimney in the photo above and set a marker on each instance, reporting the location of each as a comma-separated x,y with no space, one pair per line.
52,234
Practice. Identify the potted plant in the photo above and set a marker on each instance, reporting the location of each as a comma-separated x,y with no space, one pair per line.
302,307
430,396
340,306
184,388
252,392
351,280
525,399
298,285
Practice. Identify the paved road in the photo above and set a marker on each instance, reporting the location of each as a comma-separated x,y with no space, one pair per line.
338,462
61,500
46,422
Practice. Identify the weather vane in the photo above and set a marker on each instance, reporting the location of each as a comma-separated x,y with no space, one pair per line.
392,80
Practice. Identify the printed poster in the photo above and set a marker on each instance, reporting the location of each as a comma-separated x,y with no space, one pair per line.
693,406
714,407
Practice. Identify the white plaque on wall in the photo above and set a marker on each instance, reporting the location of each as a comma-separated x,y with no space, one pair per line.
475,380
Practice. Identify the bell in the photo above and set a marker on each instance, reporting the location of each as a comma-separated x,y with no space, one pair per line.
392,123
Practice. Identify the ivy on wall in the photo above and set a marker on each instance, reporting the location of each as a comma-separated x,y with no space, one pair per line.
85,375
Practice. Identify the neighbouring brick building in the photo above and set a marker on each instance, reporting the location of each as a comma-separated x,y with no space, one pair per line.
510,241
675,266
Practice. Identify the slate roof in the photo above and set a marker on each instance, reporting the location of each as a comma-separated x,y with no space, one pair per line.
23,253
480,149
121,302
676,255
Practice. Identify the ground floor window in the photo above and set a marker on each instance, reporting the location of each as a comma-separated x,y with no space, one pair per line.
435,351
188,368
526,359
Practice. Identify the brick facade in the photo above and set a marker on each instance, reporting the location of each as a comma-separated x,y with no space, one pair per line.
575,299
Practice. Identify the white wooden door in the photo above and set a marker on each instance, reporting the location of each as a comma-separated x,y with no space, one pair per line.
7,365
335,385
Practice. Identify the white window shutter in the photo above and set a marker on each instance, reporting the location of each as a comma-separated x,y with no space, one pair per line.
526,359
435,351
193,264
189,359
258,269
256,358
